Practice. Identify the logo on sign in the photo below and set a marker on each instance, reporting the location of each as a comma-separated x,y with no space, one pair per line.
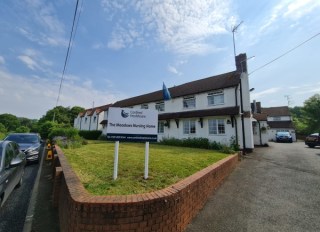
124,114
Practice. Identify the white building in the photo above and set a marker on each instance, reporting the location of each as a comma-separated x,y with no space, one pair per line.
279,119
91,119
217,108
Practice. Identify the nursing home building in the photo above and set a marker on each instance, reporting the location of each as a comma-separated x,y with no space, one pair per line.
217,108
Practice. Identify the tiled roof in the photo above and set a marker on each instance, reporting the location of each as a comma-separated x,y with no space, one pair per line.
200,113
276,111
260,117
280,124
97,109
207,84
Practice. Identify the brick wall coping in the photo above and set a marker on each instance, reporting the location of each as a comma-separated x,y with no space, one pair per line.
79,194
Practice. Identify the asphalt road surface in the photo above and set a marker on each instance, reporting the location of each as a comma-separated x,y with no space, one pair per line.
273,189
14,210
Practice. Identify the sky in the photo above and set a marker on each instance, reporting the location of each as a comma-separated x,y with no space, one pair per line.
126,48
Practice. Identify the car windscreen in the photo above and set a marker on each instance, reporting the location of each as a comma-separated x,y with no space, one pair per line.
23,138
283,133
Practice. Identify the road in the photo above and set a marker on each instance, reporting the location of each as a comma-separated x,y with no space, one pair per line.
273,189
14,210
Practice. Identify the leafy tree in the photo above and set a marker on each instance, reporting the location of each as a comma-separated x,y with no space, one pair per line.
74,113
22,129
311,113
62,114
10,121
2,128
46,127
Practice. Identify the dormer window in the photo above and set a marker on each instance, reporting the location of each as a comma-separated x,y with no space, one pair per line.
216,98
160,106
144,106
189,102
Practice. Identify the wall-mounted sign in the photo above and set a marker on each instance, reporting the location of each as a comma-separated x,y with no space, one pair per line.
128,124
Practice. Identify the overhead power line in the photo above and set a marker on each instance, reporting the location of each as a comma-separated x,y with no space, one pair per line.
73,29
72,35
285,53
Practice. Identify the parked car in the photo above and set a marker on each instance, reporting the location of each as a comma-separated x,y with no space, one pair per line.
283,136
12,163
312,140
29,143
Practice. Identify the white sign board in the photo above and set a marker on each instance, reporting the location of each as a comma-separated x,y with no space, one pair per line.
128,124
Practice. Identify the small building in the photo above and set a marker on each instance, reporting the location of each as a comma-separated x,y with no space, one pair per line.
91,119
279,119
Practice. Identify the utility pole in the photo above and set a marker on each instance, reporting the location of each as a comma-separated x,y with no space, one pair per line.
288,99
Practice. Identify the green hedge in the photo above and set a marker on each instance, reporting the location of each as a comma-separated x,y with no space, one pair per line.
203,143
91,135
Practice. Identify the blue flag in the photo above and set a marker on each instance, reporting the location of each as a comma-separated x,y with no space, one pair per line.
165,92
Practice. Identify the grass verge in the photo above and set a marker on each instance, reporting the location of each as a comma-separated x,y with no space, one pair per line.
93,164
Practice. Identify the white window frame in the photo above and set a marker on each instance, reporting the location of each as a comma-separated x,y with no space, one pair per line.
159,106
189,126
217,126
161,127
189,102
214,96
144,106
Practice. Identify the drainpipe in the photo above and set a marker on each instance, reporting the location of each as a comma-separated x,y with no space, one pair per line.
260,133
97,121
242,120
235,120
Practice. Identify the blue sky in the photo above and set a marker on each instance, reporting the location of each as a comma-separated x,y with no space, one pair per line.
127,48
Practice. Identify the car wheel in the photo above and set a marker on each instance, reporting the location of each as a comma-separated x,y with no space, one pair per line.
311,145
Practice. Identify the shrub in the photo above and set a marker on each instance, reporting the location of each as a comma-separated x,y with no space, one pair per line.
203,143
92,135
70,133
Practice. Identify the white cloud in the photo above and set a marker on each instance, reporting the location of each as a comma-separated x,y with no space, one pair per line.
34,60
299,8
288,9
30,99
33,65
2,60
264,93
174,70
49,29
182,28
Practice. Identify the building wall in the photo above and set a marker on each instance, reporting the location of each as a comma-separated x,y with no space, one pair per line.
272,133
279,118
263,137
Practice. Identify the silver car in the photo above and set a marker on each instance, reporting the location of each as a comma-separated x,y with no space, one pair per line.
29,143
12,164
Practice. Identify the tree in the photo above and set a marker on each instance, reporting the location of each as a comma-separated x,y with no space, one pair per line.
10,121
62,114
311,113
74,112
46,127
22,129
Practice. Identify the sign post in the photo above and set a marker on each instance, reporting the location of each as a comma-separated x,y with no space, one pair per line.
135,125
116,158
146,162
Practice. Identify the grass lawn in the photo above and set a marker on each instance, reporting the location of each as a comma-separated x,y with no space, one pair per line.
93,163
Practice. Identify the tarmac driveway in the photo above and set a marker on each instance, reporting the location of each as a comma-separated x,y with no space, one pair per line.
275,188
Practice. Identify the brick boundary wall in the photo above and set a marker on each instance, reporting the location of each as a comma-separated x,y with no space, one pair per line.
167,210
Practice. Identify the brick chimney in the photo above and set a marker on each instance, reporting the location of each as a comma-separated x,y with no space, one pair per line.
241,62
